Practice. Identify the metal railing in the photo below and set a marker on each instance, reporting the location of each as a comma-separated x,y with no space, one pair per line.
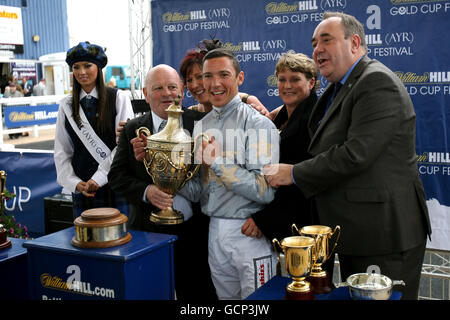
30,101
435,275
435,280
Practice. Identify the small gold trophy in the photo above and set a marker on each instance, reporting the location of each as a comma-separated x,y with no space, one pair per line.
298,253
320,279
169,160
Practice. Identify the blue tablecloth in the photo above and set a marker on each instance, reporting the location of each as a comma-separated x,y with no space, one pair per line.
275,288
13,271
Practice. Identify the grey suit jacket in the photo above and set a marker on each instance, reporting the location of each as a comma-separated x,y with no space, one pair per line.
363,173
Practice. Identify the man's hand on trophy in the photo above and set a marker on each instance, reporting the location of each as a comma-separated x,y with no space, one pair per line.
208,152
278,174
158,198
139,145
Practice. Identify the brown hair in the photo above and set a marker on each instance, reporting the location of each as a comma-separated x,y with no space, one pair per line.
195,56
298,62
222,52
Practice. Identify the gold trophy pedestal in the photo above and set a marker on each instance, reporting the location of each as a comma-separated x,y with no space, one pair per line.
167,217
321,283
299,290
298,254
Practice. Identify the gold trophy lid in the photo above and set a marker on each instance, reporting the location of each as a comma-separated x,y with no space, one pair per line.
316,229
172,132
100,217
297,242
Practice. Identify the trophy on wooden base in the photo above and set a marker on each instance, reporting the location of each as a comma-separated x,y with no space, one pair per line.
298,253
101,228
319,278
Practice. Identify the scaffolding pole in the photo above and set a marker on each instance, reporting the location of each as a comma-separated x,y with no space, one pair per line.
141,43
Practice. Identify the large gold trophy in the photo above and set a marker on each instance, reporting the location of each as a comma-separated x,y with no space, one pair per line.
298,253
169,160
319,278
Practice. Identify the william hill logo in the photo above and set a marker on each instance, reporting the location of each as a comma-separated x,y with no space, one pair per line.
244,46
412,77
54,282
171,17
283,7
434,157
20,116
439,76
37,115
427,77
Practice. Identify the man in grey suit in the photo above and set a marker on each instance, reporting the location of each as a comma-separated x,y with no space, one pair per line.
39,89
363,174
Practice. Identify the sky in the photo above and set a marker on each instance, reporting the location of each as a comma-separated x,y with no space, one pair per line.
103,22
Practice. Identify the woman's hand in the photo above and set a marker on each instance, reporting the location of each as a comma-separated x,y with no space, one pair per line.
87,188
250,229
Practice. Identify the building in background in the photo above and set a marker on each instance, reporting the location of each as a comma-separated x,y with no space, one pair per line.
30,29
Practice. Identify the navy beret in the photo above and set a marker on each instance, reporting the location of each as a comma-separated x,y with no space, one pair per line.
85,51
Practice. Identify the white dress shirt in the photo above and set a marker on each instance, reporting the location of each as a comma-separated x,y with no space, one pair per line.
64,147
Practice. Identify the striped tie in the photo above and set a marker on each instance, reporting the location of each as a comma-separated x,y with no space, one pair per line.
162,125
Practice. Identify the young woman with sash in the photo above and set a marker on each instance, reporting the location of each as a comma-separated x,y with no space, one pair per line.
85,139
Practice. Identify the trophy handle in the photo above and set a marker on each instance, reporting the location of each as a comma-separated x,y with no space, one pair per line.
204,136
337,228
147,133
2,186
190,174
295,229
143,130
275,241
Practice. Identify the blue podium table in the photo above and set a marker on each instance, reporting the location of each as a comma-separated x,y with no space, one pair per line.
275,288
141,269
13,271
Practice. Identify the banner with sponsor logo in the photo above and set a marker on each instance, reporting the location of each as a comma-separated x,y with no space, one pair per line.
22,70
24,116
32,177
408,36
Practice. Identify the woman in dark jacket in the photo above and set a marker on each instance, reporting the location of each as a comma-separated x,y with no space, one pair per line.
297,83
